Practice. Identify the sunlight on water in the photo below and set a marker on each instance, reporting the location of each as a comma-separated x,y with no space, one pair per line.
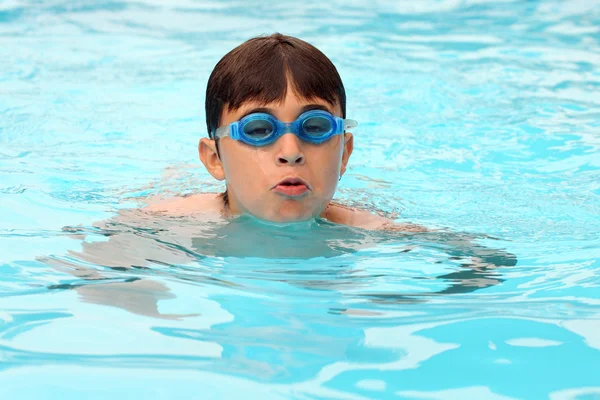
477,118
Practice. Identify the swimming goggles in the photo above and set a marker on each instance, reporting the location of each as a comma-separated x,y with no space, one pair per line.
260,129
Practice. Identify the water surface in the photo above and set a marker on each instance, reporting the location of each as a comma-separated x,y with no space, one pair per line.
477,117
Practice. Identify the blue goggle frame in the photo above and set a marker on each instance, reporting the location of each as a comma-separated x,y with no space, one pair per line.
235,130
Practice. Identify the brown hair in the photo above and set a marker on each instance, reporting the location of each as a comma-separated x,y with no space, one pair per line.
259,70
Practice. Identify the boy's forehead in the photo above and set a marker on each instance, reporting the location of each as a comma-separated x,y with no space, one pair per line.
293,106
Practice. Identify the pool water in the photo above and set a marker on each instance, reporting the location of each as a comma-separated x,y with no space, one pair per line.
480,118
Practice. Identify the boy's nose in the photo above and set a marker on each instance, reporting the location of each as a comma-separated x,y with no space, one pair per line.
290,150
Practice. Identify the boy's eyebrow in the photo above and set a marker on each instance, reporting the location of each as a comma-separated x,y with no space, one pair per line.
267,110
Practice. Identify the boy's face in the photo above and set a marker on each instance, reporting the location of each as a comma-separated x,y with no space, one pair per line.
288,180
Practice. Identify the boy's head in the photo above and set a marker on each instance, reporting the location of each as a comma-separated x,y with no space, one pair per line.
290,179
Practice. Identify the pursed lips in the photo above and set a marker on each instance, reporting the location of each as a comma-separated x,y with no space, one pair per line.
292,187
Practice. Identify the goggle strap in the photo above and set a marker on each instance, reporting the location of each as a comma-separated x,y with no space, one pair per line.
349,123
234,131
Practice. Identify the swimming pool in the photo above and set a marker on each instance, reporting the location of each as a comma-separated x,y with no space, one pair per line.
480,117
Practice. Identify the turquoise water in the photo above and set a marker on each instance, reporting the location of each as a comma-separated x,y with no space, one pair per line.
478,117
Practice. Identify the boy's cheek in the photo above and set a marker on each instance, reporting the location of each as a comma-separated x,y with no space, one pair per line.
245,173
248,169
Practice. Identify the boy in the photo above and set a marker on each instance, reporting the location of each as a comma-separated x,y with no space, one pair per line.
276,117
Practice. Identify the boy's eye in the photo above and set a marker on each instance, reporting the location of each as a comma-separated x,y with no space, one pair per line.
258,128
316,126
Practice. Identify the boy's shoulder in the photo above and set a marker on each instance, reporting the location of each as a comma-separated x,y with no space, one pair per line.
341,214
201,203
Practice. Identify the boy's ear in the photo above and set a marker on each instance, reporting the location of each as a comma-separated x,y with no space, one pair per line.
348,147
207,149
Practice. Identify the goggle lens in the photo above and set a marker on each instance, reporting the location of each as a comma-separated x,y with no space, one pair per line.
316,126
259,128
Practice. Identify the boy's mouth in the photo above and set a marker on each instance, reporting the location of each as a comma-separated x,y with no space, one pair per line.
292,187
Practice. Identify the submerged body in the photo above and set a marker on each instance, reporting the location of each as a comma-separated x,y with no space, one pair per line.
154,244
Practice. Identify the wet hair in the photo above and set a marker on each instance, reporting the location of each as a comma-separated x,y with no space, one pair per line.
260,70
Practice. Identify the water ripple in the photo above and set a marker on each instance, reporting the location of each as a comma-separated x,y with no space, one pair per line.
476,117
